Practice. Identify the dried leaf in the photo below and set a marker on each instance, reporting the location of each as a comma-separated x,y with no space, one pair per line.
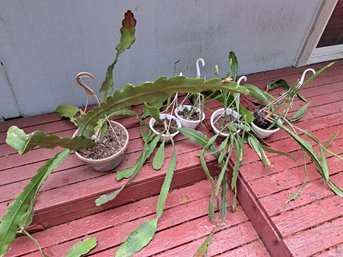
87,90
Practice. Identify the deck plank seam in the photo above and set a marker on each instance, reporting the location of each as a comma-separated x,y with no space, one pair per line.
204,237
245,191
311,180
302,206
95,177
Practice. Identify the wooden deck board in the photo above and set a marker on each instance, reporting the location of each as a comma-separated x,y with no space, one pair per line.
306,225
184,224
289,230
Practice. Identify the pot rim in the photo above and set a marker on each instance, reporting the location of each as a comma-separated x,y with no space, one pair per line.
190,121
218,112
111,157
265,130
169,116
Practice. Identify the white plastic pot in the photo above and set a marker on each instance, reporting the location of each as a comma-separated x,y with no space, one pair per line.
168,136
189,123
263,133
216,115
108,163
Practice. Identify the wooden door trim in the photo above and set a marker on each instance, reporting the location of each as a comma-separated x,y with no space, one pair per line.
320,21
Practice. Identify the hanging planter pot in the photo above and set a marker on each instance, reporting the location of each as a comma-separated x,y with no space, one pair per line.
159,128
263,133
220,118
189,121
108,152
261,126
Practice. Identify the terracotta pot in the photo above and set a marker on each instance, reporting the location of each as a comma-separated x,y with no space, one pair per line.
189,123
108,163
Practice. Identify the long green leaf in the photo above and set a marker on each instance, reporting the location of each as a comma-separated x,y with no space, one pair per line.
233,65
223,149
147,151
82,248
300,113
221,176
157,163
306,146
223,206
129,173
202,251
282,83
127,39
68,111
335,188
271,150
257,93
194,136
149,92
211,207
157,106
166,183
23,143
317,73
248,116
325,167
329,142
239,148
198,137
138,239
103,122
309,135
153,111
256,146
23,204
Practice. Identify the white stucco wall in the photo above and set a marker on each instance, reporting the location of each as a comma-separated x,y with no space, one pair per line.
44,43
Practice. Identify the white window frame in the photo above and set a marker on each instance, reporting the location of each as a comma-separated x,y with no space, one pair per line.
308,53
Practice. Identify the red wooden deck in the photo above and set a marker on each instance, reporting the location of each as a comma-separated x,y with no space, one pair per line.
310,225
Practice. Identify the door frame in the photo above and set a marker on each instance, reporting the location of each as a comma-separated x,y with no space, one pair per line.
308,52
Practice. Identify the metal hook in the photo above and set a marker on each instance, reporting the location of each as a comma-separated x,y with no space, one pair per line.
198,66
78,77
303,75
242,78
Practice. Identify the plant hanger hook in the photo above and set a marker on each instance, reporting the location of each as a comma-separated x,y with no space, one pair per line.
304,74
87,89
242,78
202,61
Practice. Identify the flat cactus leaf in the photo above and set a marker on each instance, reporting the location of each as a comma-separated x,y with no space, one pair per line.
127,32
151,92
82,248
19,213
23,143
127,39
68,111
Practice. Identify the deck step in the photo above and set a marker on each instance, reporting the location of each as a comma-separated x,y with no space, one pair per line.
182,229
66,211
